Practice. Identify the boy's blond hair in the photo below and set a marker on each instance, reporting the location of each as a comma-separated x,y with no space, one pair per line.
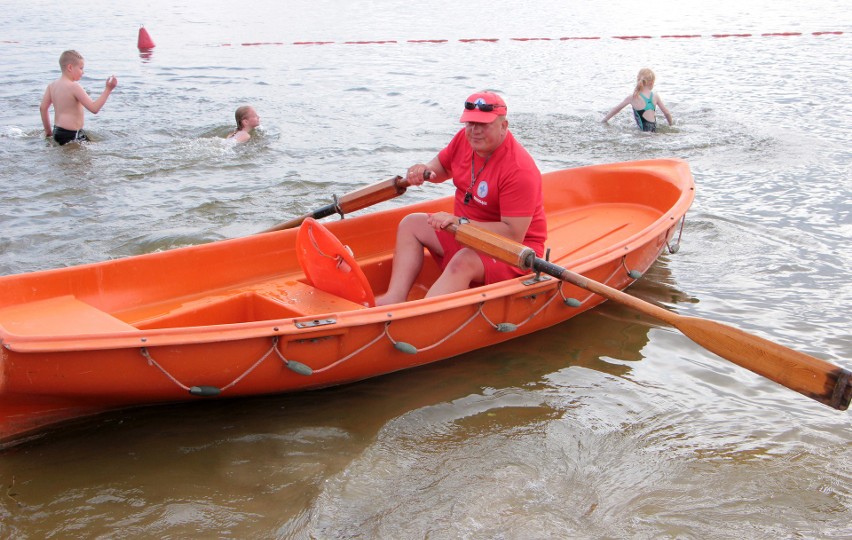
69,57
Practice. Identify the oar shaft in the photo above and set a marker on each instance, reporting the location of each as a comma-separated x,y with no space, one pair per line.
495,245
325,211
351,202
370,195
810,376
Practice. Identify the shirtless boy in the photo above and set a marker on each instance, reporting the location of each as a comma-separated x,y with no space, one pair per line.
68,99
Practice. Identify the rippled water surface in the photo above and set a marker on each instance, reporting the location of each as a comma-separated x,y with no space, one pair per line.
608,426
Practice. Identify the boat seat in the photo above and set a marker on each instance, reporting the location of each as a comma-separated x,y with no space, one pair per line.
61,316
276,299
305,299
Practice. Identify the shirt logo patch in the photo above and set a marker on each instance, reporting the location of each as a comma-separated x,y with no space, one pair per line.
482,190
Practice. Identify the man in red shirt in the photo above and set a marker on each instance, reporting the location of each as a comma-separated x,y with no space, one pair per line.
498,188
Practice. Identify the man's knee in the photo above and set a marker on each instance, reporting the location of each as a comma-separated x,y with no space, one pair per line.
413,224
466,262
416,227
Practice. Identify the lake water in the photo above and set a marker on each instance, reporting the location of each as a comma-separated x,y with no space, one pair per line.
608,426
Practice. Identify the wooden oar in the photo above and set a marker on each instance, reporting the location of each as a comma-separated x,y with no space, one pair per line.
351,202
813,377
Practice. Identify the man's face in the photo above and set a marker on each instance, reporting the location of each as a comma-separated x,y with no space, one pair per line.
485,138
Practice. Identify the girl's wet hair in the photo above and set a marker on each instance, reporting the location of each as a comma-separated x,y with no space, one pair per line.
645,76
240,114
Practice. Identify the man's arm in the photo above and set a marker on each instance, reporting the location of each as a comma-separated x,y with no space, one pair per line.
439,173
514,228
436,171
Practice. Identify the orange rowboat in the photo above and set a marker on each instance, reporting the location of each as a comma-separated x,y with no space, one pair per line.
290,310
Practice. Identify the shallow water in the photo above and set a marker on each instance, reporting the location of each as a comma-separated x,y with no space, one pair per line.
607,426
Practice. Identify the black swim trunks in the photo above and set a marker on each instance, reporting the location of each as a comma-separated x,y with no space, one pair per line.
63,136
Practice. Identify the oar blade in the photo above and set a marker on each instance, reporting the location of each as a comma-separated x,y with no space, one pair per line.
808,375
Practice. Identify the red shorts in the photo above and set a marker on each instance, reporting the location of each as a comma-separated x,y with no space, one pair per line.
494,270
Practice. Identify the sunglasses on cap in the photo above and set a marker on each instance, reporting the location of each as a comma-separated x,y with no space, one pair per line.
484,107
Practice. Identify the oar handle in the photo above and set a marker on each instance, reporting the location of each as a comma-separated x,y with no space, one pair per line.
810,376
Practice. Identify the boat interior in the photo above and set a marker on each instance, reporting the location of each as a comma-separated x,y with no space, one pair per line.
259,278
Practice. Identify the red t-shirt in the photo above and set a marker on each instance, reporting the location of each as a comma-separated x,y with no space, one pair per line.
507,184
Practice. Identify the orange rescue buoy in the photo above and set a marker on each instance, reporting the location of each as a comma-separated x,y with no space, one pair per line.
330,266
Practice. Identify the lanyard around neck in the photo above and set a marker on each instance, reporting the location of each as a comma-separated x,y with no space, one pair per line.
469,193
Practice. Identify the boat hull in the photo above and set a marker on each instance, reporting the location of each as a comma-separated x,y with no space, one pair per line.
239,318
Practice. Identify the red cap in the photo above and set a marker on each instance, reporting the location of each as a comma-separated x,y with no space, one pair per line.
472,113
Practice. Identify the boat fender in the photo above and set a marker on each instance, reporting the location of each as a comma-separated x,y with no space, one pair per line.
204,391
572,302
299,368
407,348
506,327
634,274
